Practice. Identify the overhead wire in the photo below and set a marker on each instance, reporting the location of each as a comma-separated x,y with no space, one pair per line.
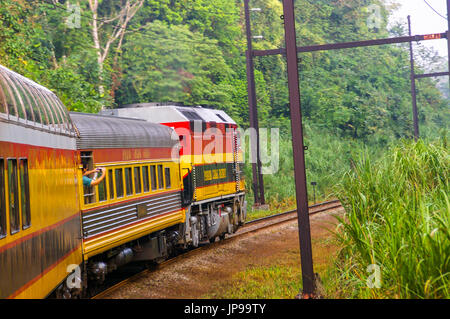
435,10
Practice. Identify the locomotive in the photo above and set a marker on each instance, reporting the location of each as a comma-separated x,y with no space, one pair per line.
172,180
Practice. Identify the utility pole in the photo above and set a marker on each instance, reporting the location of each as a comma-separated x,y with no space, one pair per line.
413,86
291,52
258,182
448,39
298,150
415,76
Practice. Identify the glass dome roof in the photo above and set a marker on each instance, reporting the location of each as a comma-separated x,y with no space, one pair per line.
26,102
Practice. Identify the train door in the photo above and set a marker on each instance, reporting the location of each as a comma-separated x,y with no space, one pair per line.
87,161
188,187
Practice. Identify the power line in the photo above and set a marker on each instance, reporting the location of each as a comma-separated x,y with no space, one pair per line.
435,10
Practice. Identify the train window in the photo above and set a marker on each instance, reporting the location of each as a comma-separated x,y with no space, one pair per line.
65,116
111,183
67,124
167,176
128,181
3,103
25,100
2,199
160,177
137,180
13,196
58,113
24,193
191,115
33,103
16,97
67,119
88,165
89,195
119,182
39,104
50,109
53,109
145,178
10,102
102,191
153,176
46,107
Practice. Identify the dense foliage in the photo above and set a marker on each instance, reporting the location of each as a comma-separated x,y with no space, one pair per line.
193,51
117,52
398,218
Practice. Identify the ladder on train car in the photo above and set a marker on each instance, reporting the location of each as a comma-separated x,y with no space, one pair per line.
237,172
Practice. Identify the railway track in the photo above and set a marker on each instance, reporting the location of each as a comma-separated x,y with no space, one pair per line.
249,227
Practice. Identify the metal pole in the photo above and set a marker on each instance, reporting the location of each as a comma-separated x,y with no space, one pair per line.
298,150
413,85
252,102
262,197
448,39
314,190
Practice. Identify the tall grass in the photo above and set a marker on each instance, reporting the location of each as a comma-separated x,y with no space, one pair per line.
397,217
328,157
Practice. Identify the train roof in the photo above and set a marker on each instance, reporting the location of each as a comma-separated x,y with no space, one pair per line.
27,103
170,113
100,131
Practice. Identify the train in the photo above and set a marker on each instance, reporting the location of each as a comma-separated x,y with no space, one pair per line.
84,194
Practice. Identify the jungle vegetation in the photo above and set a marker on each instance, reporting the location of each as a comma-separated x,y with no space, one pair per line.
356,107
105,53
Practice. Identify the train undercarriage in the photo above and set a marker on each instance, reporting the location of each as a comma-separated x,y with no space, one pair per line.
204,223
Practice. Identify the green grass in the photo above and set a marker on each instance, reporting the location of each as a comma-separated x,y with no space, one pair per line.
397,203
262,282
280,276
275,208
398,217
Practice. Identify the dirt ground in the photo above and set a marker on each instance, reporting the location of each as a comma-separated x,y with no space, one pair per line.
195,276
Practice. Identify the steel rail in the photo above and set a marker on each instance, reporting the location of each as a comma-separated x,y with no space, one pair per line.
335,201
329,205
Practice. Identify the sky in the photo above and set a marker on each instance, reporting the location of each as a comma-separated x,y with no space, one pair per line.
424,20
